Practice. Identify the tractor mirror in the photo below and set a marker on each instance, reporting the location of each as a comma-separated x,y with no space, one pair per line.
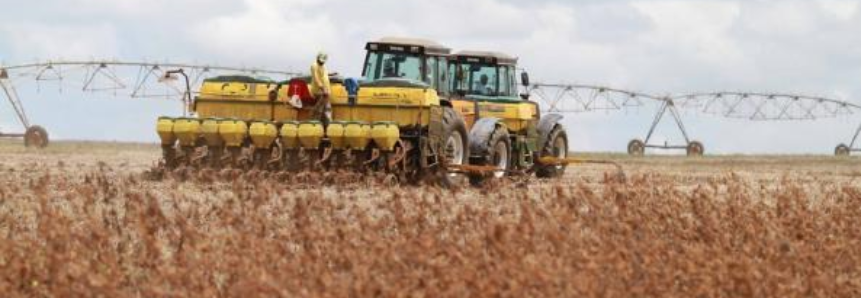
524,79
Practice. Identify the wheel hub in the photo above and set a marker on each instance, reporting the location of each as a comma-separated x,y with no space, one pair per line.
453,151
500,156
560,150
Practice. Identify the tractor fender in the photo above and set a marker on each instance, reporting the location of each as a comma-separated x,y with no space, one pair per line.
545,126
479,135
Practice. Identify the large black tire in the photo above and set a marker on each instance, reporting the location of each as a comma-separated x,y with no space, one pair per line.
842,150
636,147
696,149
556,146
36,137
455,145
498,155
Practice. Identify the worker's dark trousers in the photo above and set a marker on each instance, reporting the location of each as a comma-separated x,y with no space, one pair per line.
323,110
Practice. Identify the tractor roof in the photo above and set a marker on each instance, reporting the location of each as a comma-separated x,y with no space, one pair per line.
429,46
488,57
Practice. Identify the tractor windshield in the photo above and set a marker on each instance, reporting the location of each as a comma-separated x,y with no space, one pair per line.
383,65
476,79
483,79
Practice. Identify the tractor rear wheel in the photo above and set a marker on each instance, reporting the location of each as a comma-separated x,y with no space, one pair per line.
455,148
36,137
498,156
842,150
557,146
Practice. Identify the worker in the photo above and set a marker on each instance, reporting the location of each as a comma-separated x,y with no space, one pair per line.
483,86
321,88
389,70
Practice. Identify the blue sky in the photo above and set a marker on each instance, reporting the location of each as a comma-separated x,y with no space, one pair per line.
657,46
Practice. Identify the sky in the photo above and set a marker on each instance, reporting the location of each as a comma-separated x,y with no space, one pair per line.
655,46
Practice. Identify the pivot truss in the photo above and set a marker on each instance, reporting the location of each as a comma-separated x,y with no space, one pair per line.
133,79
574,98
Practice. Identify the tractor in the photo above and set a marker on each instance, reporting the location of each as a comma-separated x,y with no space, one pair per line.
416,114
506,130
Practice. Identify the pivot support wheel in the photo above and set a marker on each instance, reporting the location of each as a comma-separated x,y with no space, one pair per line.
636,147
36,137
842,150
695,149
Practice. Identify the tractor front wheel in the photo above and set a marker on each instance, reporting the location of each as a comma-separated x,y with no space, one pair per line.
498,156
557,147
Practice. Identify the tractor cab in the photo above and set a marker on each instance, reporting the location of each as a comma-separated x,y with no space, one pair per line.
484,76
406,62
505,131
483,85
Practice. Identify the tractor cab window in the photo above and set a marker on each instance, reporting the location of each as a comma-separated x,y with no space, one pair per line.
505,81
385,65
436,74
476,79
431,75
442,76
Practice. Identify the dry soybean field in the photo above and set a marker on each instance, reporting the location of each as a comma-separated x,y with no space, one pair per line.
90,220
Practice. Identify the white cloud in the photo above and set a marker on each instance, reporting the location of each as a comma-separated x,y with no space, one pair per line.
792,18
478,19
843,10
274,32
171,11
29,41
699,28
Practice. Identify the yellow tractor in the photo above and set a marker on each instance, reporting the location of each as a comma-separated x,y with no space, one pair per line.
507,132
417,113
